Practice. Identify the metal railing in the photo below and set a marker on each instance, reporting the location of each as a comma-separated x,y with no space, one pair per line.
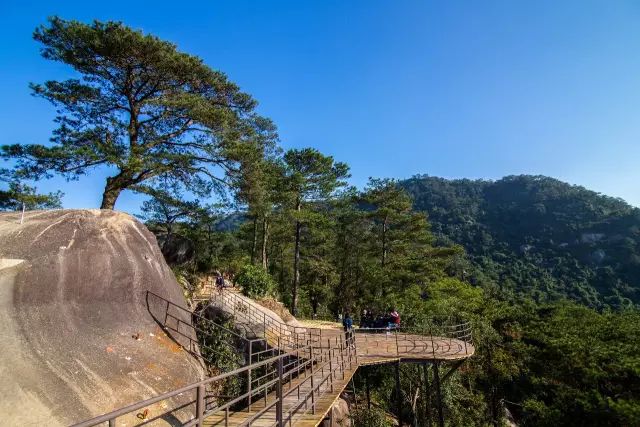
275,331
286,373
308,371
188,328
442,337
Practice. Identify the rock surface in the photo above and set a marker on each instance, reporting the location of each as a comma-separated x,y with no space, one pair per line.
77,332
340,415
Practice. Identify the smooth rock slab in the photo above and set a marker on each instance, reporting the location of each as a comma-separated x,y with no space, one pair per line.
77,336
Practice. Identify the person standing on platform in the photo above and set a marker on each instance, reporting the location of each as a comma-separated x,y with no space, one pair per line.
347,324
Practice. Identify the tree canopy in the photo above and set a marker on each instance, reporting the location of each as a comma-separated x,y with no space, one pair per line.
548,273
538,236
140,107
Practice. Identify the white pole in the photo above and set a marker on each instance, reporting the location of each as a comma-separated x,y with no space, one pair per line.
22,218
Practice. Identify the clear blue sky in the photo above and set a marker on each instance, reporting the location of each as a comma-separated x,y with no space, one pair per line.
394,88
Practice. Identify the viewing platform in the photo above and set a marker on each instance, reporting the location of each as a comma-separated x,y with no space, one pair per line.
293,375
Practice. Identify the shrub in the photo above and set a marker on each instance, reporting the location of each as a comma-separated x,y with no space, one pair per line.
255,281
374,417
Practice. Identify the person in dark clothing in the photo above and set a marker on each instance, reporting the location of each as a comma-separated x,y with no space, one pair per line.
220,282
347,324
394,319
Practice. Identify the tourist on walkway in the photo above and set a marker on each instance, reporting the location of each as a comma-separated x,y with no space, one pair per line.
220,282
347,324
366,320
394,319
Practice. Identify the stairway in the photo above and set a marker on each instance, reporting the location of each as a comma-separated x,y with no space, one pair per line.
249,314
311,378
295,374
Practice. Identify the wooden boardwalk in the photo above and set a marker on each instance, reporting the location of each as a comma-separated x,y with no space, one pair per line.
304,408
304,369
309,412
371,348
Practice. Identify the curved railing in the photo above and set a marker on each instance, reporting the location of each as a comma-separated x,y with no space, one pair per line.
276,332
302,364
440,337
308,371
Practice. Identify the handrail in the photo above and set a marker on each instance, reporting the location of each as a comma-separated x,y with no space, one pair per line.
233,295
273,328
309,368
168,310
140,405
413,339
202,413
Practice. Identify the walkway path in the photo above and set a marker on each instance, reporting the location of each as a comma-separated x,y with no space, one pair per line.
295,374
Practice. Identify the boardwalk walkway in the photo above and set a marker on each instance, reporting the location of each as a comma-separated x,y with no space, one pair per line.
293,374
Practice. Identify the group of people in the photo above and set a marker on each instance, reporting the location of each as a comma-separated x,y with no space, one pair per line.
368,320
390,320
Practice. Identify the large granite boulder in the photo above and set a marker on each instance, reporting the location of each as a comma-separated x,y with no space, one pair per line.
79,337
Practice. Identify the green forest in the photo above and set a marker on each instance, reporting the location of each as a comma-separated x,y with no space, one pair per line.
538,236
547,272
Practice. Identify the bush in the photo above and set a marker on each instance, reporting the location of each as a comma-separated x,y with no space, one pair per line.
255,281
374,417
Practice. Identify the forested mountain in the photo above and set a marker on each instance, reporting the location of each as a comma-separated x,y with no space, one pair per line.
225,197
538,235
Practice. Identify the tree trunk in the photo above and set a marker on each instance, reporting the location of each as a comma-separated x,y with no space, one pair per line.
254,247
296,265
265,237
384,241
110,194
427,395
282,285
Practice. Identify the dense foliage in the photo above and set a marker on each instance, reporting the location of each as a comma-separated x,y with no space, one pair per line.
18,196
255,281
140,107
548,273
539,236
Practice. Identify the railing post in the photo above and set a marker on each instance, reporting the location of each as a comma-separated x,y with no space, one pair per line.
329,349
249,376
200,405
433,348
342,359
397,345
112,422
279,395
313,395
166,314
355,347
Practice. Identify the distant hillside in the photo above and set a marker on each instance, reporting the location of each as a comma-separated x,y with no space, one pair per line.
538,235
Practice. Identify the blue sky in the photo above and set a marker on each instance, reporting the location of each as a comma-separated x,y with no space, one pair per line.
393,88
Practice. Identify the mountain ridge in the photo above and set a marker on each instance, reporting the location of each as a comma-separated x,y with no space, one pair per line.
538,235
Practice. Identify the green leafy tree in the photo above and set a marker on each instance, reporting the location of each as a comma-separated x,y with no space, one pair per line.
259,188
310,177
389,203
255,281
140,107
18,195
166,209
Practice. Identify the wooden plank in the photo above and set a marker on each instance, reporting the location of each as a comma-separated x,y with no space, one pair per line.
371,348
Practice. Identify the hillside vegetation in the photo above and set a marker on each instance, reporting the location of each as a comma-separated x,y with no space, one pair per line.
546,272
539,236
